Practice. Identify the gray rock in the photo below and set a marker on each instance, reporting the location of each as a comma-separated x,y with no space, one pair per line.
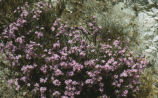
155,39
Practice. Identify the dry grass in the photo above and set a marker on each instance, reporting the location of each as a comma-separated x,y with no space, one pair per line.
148,88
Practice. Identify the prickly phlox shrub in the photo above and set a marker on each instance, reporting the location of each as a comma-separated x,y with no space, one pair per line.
57,60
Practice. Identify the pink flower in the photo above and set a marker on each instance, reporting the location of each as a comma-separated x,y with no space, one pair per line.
56,93
107,67
53,28
58,19
101,89
94,16
124,74
116,42
43,89
75,83
90,74
115,76
110,60
67,82
19,40
23,79
77,92
70,41
43,96
114,83
36,85
43,80
125,93
83,54
55,23
44,69
56,45
90,24
10,82
118,85
64,97
56,82
39,34
17,87
70,73
35,16
121,80
89,81
16,82
58,72
104,96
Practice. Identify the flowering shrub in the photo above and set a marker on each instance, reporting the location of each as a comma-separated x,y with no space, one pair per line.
7,9
53,59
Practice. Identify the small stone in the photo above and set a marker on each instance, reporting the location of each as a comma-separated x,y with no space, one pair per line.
148,50
155,39
151,14
152,48
154,10
156,18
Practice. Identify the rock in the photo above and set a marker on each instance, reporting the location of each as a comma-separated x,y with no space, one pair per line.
150,2
151,49
154,10
155,39
148,50
156,18
151,14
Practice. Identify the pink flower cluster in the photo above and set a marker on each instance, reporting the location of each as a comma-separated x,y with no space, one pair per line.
64,62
